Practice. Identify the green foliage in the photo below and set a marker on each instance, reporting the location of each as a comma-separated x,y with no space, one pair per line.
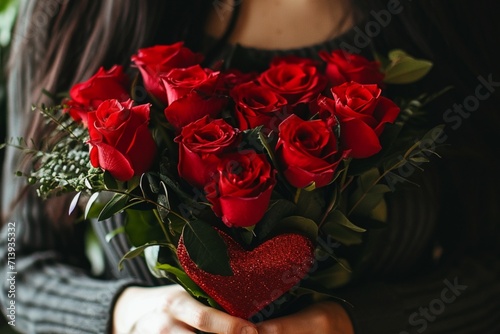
113,206
278,209
206,248
332,277
404,69
61,161
141,227
338,226
138,251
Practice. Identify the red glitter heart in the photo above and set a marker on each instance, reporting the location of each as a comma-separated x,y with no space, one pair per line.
261,275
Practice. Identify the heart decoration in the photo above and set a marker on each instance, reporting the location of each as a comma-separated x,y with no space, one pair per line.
260,276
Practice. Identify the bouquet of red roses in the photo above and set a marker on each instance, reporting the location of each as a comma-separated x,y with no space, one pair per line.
243,187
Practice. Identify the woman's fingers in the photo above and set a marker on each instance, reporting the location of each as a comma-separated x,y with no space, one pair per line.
158,322
321,318
207,319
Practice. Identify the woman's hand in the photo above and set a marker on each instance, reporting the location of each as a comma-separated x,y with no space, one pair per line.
320,318
170,309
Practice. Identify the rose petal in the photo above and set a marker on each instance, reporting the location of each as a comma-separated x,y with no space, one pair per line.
360,138
111,160
245,211
192,107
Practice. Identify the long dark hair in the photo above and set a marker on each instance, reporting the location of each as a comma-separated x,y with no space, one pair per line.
60,42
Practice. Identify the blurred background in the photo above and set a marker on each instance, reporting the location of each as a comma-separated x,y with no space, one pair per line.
8,10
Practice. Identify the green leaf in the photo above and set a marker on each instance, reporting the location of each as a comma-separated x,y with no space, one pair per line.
115,205
366,202
311,204
310,187
176,224
300,224
277,210
206,248
339,218
341,229
270,151
368,179
90,204
405,69
184,280
109,181
152,184
254,138
186,198
114,233
163,202
334,276
247,234
142,226
343,235
378,215
418,159
133,183
136,251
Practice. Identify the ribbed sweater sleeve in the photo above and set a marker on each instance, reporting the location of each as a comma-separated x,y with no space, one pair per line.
48,280
454,286
457,299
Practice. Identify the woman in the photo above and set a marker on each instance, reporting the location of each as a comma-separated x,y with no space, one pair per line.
440,273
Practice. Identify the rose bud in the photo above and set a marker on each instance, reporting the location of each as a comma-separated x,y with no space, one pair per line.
241,189
342,66
308,152
256,105
192,93
298,82
362,113
120,141
104,85
159,60
201,144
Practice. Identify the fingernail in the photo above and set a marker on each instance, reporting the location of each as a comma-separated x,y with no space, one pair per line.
248,330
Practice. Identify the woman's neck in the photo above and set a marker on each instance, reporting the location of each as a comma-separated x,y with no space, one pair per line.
281,24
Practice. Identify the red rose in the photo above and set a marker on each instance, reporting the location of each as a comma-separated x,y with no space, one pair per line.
234,77
308,152
181,81
241,189
343,67
104,85
120,140
201,144
298,82
256,105
362,113
192,107
160,59
192,92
